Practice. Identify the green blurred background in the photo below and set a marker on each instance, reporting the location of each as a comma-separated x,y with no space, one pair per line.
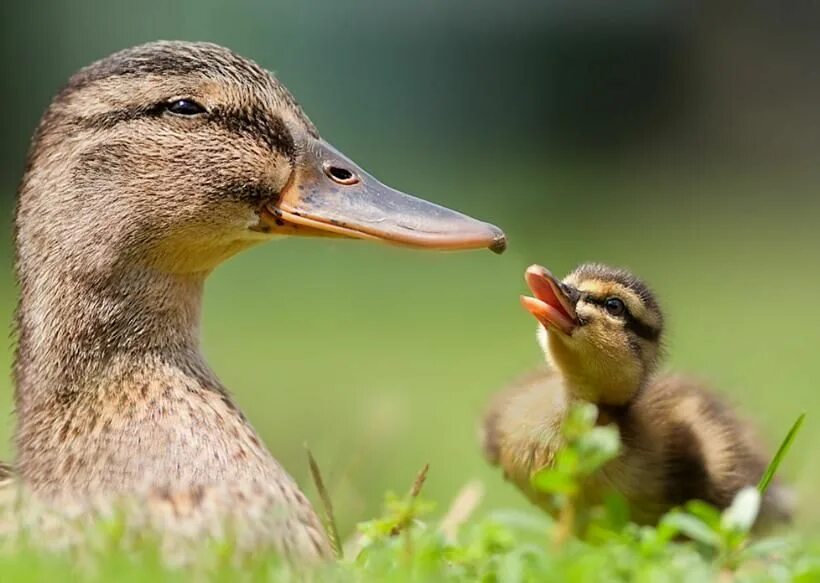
678,139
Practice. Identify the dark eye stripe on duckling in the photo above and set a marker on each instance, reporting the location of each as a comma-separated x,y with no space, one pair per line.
633,324
252,122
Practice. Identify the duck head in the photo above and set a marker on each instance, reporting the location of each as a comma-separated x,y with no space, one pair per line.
601,328
179,155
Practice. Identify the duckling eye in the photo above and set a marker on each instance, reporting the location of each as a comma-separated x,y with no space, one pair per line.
614,306
184,107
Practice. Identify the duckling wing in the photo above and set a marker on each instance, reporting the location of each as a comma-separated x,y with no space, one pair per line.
520,429
682,441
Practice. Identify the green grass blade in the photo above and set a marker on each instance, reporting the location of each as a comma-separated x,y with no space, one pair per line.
327,507
771,470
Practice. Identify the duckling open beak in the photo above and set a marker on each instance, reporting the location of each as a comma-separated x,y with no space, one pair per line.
329,195
551,305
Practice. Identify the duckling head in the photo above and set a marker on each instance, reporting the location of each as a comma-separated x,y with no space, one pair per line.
178,155
600,327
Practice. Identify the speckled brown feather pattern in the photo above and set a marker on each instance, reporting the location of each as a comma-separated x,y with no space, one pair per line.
122,213
680,441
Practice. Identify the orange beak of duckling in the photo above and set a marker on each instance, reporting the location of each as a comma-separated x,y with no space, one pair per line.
329,195
550,305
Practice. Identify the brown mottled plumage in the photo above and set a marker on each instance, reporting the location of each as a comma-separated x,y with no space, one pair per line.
601,331
149,169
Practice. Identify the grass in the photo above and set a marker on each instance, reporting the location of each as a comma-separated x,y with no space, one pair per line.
328,517
693,543
780,455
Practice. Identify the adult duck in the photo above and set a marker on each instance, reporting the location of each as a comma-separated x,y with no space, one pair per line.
148,170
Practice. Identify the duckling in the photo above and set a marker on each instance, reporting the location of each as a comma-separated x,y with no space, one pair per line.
148,170
601,330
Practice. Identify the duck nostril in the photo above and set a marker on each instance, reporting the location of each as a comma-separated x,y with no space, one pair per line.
341,175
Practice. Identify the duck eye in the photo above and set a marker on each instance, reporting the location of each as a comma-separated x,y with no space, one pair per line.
340,175
184,107
615,306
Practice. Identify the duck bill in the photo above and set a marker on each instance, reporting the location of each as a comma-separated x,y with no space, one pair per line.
551,305
329,195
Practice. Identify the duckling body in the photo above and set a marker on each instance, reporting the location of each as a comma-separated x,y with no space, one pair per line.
148,170
680,441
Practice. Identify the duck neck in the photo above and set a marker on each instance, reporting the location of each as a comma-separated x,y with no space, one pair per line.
76,327
112,392
596,378
612,392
